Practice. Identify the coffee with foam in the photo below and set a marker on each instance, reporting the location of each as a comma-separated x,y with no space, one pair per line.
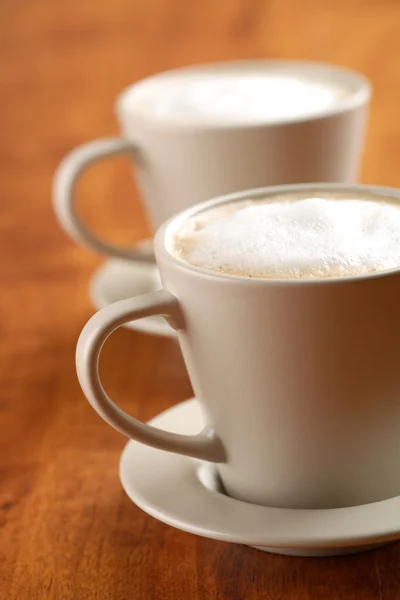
252,94
293,237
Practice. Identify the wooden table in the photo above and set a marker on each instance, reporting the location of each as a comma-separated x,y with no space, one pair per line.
67,531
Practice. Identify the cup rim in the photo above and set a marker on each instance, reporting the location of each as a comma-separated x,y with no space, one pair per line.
161,236
360,96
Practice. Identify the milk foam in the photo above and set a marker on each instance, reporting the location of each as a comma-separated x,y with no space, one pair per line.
292,238
243,96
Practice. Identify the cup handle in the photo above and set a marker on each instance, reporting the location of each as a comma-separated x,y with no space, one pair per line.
65,180
205,446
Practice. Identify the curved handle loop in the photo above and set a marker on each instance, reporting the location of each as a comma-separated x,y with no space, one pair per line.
91,340
65,180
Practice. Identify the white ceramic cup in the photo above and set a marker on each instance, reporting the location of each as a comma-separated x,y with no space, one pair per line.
179,164
299,379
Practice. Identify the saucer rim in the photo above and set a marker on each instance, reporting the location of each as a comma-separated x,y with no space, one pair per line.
174,464
98,294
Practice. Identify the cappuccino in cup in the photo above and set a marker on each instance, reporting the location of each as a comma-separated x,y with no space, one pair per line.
286,305
198,132
294,236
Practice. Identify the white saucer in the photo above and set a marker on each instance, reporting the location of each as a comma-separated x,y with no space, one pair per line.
185,493
119,279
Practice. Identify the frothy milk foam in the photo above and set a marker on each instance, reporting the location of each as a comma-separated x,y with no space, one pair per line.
293,237
242,96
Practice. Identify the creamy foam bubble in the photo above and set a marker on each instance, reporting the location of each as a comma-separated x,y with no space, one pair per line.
293,237
243,96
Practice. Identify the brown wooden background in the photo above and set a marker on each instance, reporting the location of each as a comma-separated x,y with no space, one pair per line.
67,531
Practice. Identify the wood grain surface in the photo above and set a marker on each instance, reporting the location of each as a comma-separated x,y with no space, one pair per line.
67,531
